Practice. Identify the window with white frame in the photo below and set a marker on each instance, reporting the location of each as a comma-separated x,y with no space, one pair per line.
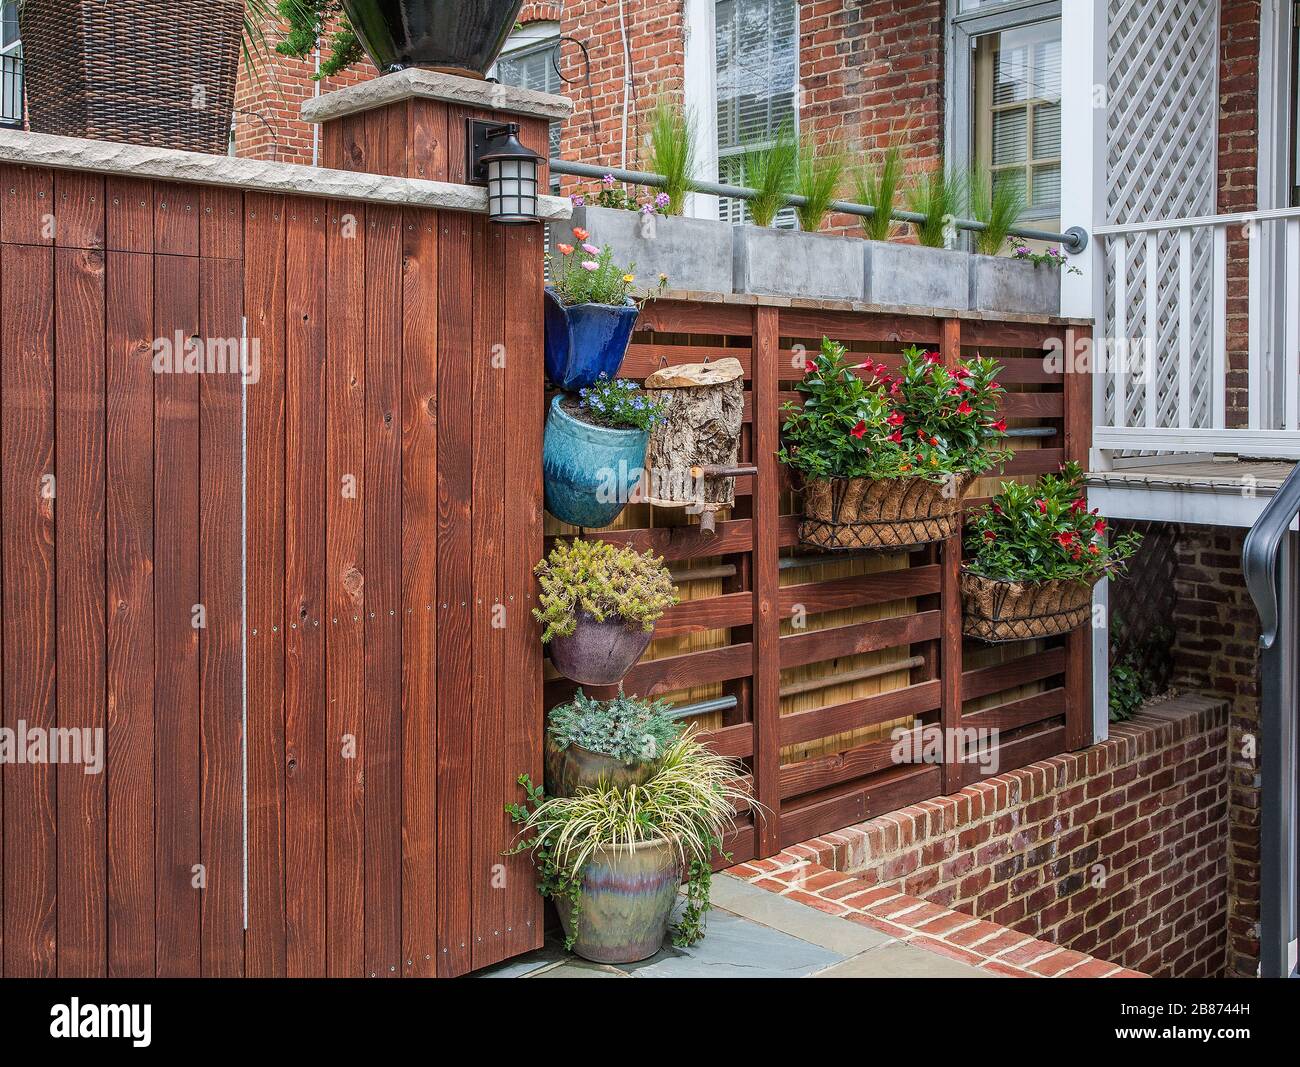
1005,98
756,45
11,66
531,60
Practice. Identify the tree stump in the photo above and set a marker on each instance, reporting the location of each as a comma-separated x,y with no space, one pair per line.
704,406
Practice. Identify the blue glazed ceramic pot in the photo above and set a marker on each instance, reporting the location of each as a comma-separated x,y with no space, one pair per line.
589,471
584,341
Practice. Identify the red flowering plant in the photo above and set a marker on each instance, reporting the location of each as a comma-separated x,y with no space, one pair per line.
1044,531
928,421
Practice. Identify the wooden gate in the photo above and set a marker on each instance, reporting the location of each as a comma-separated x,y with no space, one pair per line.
295,600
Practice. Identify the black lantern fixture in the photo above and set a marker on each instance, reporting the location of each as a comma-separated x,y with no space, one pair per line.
507,168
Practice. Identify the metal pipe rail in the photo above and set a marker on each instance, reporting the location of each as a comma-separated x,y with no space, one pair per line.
1074,240
1270,559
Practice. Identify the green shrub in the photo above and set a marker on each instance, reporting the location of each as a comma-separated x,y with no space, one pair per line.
1127,691
817,179
626,728
1034,533
604,581
938,196
999,206
690,800
770,172
926,422
672,150
306,19
877,187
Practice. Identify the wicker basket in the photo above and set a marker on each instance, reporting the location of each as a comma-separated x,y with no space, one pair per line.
997,611
853,513
133,70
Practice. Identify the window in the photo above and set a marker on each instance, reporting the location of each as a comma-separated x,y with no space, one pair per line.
531,61
756,48
1005,98
11,66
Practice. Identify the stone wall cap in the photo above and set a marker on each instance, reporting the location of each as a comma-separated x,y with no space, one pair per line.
432,85
257,175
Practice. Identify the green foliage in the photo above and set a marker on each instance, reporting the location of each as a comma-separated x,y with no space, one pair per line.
619,403
604,581
621,198
858,421
999,206
627,728
690,801
1032,533
877,187
1051,257
585,274
770,172
307,20
938,196
672,150
817,179
1127,691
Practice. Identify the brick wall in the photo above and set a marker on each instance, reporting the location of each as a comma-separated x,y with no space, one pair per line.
1117,851
869,73
1238,190
1216,651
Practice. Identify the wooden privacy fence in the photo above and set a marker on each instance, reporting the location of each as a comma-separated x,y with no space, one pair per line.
297,608
802,664
296,601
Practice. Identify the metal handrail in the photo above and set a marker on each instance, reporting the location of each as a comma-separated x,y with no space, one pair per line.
1074,240
1269,560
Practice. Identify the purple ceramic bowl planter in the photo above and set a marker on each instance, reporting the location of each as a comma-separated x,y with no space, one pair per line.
599,653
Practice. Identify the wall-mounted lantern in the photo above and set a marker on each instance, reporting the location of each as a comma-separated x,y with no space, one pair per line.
506,167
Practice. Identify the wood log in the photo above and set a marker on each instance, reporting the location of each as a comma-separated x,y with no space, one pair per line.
700,427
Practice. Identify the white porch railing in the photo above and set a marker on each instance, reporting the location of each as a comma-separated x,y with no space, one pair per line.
1166,305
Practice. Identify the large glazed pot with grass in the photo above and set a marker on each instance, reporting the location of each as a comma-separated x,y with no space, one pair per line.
592,463
886,458
1033,554
133,70
447,35
598,606
612,858
618,742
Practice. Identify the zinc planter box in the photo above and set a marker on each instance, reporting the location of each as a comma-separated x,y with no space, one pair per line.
917,276
694,253
792,263
998,283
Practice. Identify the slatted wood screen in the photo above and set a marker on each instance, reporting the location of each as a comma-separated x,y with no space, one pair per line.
309,778
825,654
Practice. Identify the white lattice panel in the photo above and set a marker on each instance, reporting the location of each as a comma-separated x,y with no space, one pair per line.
1162,104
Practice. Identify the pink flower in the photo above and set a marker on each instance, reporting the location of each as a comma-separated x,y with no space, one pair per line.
933,357
895,418
590,264
860,430
897,437
566,250
591,250
1000,426
1042,506
965,409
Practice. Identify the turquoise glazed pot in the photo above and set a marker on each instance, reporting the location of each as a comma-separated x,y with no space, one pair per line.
627,900
589,471
584,341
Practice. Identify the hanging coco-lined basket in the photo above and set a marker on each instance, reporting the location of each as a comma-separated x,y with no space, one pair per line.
855,513
995,611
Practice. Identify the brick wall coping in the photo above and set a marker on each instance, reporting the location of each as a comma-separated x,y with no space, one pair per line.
167,164
861,307
431,85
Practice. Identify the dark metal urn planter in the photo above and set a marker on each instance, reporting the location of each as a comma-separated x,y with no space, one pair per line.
457,36
584,341
573,767
590,472
133,70
628,893
599,653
